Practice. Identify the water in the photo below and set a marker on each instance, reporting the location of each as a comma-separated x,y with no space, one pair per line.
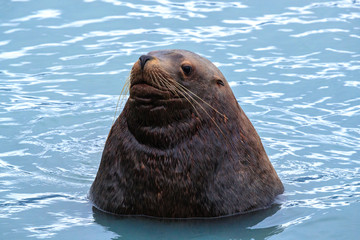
294,67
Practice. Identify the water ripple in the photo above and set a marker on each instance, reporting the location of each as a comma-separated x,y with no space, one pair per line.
21,202
39,15
64,221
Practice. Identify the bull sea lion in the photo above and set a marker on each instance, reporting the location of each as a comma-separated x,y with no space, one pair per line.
182,146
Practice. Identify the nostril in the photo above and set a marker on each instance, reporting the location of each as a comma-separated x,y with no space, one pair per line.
143,59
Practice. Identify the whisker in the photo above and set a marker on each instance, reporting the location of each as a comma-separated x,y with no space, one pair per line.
166,84
187,96
154,79
209,105
122,96
183,90
212,119
160,75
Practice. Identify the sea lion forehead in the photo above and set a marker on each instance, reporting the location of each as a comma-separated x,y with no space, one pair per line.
181,56
173,54
177,54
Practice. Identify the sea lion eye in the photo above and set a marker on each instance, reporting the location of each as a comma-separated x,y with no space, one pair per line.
219,82
187,69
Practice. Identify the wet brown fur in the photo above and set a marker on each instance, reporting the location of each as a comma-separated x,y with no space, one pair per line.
169,154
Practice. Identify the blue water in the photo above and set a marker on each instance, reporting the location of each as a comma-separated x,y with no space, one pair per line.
294,67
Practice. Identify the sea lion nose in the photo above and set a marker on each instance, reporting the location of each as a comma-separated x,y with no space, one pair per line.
143,59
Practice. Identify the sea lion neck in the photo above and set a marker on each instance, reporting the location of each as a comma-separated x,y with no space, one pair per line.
161,127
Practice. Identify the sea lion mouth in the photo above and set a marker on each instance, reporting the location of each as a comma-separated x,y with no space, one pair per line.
145,93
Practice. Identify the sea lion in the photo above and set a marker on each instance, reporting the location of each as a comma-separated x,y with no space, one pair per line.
182,146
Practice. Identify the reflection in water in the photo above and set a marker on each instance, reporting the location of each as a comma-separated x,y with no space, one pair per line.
235,227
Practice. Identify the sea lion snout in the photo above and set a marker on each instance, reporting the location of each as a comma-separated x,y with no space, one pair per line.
143,59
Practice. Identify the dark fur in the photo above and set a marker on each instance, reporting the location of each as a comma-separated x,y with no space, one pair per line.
164,160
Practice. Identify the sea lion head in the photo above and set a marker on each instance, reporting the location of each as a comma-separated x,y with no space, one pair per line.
175,90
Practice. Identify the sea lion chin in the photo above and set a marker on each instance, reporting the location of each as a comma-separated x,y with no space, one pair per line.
182,146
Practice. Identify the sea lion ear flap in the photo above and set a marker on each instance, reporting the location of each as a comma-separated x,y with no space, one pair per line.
220,82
